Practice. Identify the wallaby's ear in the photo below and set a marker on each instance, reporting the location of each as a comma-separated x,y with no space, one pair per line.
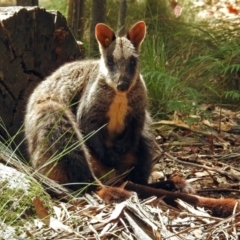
104,34
137,33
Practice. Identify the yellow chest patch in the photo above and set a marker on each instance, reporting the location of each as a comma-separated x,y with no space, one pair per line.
117,113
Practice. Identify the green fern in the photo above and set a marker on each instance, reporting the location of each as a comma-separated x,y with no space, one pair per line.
234,95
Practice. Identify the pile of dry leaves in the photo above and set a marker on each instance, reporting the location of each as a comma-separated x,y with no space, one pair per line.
207,153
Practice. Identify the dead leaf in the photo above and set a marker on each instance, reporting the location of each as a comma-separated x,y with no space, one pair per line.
41,211
199,211
117,211
43,214
138,230
59,226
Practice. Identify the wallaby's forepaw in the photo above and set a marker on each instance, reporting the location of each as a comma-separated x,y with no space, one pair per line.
182,185
174,184
113,194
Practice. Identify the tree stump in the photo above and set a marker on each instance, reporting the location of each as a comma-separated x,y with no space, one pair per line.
33,43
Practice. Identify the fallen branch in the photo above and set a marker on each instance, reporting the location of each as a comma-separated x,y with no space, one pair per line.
230,173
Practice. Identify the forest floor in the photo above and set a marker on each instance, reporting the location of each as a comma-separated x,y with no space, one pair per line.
205,152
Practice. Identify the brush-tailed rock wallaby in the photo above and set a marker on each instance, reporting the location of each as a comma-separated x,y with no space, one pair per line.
89,119
105,98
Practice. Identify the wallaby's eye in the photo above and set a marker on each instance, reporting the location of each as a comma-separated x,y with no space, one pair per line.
110,61
131,67
133,61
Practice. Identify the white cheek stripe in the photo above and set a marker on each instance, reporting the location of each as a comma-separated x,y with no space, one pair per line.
92,91
103,69
143,82
105,73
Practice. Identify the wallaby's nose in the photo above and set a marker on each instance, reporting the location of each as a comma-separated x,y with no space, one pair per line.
122,86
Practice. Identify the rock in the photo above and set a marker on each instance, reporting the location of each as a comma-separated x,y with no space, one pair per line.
17,192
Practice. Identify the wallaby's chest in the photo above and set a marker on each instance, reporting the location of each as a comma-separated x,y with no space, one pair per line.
117,113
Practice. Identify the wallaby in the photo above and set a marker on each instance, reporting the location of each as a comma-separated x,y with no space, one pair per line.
106,98
90,117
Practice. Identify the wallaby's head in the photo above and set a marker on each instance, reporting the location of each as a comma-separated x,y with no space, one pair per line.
119,55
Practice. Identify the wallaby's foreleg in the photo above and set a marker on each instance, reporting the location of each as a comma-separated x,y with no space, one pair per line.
142,168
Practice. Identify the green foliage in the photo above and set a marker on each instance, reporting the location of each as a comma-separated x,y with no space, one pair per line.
60,5
168,92
184,61
234,95
188,63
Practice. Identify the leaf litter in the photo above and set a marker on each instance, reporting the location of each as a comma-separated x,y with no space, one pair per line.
208,157
211,167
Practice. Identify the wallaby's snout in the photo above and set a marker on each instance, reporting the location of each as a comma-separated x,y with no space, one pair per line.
128,70
123,86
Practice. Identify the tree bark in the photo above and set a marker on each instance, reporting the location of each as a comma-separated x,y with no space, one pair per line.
34,43
76,9
122,17
97,16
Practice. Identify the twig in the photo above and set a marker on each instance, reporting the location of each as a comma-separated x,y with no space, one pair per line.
195,144
211,176
183,125
233,220
218,190
222,172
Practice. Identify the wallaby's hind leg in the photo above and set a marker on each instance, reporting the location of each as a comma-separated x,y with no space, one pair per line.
58,150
